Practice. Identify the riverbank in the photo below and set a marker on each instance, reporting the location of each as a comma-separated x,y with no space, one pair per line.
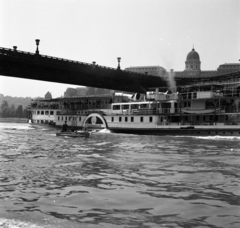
13,120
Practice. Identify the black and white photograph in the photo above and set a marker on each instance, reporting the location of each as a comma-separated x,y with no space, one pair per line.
119,113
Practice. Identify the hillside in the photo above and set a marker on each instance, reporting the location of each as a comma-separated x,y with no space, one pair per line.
16,101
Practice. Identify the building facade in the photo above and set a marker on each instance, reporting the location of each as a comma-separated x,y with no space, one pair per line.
192,68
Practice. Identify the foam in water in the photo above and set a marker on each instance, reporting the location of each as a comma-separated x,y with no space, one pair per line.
217,137
11,223
213,137
15,126
104,131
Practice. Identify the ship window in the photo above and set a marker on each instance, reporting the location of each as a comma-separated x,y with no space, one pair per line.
134,106
79,118
116,107
112,119
150,119
58,118
141,119
42,112
120,119
62,118
132,119
38,112
69,118
46,112
126,119
51,113
125,107
66,118
143,105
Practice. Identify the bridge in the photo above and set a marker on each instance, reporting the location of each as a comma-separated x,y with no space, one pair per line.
20,64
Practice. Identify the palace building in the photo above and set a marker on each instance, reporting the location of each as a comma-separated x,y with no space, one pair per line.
192,68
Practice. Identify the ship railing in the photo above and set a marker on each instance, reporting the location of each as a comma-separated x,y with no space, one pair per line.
86,106
195,123
43,107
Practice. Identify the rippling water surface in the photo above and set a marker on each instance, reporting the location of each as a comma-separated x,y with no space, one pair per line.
117,180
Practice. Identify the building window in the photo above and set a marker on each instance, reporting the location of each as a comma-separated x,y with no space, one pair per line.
69,118
112,119
126,119
150,119
120,119
132,119
80,118
51,113
141,119
42,112
58,118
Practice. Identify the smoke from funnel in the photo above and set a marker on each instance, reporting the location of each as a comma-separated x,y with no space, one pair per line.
169,77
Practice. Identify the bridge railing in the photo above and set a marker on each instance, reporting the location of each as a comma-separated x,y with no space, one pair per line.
29,55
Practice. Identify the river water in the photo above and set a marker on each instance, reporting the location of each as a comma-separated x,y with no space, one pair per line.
117,180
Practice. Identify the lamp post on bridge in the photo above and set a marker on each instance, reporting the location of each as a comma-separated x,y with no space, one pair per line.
37,43
119,59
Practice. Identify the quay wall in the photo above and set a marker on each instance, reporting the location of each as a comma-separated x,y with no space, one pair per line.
13,120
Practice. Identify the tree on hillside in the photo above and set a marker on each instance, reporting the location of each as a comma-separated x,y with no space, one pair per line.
25,113
12,109
19,111
5,109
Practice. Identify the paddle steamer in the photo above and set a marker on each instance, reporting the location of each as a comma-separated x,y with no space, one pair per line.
199,109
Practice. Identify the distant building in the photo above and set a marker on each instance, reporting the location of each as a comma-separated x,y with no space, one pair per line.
48,95
192,68
149,70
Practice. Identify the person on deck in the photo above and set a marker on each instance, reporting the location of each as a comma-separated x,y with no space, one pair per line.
65,126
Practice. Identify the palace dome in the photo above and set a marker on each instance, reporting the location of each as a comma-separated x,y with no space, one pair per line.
193,55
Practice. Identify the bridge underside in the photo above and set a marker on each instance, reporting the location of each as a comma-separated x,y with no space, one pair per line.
38,67
46,68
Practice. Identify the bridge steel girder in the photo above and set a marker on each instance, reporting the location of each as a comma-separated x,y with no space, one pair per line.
45,68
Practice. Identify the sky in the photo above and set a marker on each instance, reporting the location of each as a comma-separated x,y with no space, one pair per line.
141,32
